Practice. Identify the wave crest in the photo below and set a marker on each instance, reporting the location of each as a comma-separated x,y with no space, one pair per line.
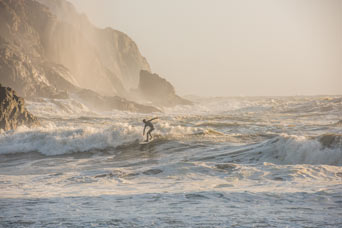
290,149
51,140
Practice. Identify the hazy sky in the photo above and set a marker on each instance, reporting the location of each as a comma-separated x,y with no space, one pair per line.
233,47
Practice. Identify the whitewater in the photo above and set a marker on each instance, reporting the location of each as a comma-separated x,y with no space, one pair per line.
223,162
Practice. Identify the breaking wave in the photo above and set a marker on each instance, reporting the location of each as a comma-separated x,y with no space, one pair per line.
290,149
58,139
54,140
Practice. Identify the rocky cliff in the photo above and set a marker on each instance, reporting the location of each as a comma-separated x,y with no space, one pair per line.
104,59
49,50
32,34
12,110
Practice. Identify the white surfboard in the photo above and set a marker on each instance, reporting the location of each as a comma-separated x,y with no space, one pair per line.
144,142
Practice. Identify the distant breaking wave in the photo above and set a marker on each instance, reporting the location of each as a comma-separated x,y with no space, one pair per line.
291,149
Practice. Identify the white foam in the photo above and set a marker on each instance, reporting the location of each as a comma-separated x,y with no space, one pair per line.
75,135
69,133
53,140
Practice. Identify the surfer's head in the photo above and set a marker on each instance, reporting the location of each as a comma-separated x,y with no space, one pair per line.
144,120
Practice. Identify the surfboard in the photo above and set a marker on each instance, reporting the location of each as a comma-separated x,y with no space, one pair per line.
144,142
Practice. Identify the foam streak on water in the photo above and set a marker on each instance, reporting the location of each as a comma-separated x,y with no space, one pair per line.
225,162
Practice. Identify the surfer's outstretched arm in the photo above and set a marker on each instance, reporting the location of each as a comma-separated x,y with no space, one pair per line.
153,119
144,130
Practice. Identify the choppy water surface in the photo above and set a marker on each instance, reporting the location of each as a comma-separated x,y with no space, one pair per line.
224,162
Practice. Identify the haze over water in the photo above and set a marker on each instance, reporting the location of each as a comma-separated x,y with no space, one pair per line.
234,47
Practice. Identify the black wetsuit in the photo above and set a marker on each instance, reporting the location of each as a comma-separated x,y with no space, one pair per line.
148,123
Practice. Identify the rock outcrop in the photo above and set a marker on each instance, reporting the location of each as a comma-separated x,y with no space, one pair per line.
159,91
12,110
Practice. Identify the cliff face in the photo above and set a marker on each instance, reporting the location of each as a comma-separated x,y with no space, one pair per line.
32,35
12,110
104,60
20,48
27,75
49,50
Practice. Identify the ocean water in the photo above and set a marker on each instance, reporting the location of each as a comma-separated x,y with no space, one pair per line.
224,162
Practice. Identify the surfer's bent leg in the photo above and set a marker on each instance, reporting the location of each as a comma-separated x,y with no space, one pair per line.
149,133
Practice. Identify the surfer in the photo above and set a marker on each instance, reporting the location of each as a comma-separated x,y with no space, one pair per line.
148,123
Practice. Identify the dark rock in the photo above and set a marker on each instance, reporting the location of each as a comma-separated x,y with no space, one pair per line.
158,90
12,110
